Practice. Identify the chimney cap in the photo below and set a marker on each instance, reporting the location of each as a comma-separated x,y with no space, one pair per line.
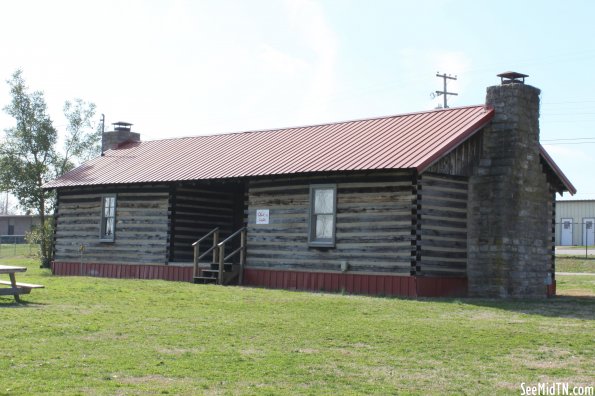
122,126
511,77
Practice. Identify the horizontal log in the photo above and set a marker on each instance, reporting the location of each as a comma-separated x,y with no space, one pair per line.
443,233
443,254
437,179
452,216
279,201
446,224
442,213
435,265
351,177
148,197
115,189
355,266
92,200
330,255
441,203
127,242
342,248
447,195
438,243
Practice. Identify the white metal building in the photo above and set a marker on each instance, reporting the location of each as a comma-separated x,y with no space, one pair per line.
575,222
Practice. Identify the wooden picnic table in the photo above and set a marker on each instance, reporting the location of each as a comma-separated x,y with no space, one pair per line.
15,288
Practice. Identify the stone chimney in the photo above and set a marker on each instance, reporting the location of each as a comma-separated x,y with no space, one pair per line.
510,200
121,134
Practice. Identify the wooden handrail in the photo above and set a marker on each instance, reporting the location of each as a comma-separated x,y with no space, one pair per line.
230,255
223,242
208,234
209,250
223,257
198,256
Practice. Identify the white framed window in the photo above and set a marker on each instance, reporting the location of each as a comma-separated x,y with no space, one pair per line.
108,218
323,214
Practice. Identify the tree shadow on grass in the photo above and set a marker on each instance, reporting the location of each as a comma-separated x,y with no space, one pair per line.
571,307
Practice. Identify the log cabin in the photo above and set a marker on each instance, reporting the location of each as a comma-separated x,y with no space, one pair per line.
443,203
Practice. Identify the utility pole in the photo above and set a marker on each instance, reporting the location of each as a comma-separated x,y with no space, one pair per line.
102,132
445,92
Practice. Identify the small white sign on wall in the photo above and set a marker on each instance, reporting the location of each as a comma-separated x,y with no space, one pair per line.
262,216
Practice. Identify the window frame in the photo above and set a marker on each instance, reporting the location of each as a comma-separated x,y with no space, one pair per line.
313,241
103,219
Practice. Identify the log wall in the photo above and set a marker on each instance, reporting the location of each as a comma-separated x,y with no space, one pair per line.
141,231
443,217
373,224
462,160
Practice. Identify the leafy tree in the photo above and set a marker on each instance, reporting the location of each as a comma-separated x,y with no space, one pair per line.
83,141
28,155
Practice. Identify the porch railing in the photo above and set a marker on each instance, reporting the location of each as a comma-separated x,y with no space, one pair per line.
241,250
197,256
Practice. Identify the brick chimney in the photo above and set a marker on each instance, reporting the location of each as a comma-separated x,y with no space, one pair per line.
510,200
121,134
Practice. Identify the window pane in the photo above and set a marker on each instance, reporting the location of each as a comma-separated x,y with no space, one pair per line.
108,217
324,226
109,226
108,206
107,211
323,201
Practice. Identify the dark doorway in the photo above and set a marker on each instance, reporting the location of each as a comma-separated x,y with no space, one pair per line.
197,208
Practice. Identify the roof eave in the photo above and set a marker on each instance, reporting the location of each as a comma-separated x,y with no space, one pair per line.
557,171
472,130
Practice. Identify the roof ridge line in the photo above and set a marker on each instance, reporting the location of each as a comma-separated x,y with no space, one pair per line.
321,124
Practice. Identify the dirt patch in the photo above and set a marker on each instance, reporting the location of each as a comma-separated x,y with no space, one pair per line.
545,358
180,351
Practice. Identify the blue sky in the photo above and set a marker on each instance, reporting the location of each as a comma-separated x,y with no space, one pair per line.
180,68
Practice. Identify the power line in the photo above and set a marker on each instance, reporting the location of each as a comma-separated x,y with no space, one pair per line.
567,139
569,102
559,144
568,113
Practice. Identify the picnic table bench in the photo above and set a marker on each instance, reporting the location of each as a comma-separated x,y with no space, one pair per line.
16,288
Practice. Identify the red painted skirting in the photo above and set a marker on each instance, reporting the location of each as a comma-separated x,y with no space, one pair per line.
377,285
383,285
130,271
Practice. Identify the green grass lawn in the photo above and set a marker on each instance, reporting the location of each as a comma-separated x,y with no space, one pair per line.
96,336
575,264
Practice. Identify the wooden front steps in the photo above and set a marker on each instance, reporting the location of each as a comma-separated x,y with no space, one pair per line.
220,270
209,273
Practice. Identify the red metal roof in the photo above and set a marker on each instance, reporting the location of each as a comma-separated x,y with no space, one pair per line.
408,141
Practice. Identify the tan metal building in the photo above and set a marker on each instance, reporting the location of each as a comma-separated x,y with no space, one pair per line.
575,222
16,225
